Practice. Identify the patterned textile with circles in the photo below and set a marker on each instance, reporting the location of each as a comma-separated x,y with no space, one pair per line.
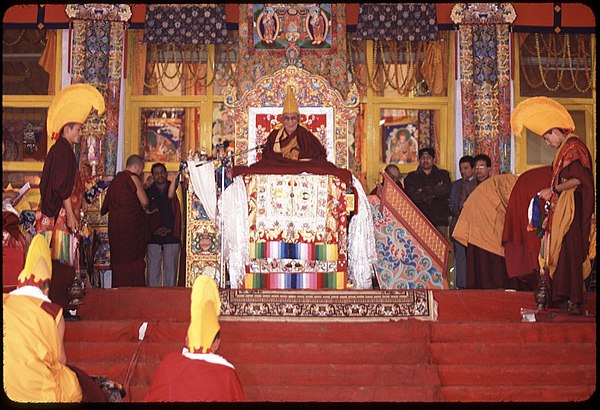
401,262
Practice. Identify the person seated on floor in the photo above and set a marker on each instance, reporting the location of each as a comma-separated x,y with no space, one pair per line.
292,148
394,172
35,368
14,242
197,373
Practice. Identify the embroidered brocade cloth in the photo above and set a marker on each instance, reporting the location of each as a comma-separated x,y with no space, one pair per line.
185,24
297,232
402,22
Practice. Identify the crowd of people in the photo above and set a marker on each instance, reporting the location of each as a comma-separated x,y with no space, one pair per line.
144,225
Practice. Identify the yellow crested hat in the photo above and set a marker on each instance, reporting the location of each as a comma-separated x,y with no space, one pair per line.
72,104
540,114
204,311
38,264
291,105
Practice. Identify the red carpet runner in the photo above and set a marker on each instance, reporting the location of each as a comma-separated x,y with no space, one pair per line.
477,350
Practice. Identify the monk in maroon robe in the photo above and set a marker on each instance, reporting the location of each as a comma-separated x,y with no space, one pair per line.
293,149
565,256
571,169
521,247
61,194
61,187
128,233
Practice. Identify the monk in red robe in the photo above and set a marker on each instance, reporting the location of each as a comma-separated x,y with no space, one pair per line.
292,149
13,248
197,373
522,246
61,187
126,203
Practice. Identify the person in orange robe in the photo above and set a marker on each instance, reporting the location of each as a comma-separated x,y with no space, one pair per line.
35,368
126,203
198,373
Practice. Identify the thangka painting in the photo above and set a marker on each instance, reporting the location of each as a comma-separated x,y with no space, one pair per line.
401,135
400,143
276,26
319,120
223,129
300,41
163,133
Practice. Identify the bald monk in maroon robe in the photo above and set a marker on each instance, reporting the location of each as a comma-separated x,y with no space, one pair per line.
128,233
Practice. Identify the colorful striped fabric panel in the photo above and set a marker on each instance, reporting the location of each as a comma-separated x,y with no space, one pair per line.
301,251
334,280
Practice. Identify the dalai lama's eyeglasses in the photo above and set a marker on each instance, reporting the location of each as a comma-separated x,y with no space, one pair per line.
290,118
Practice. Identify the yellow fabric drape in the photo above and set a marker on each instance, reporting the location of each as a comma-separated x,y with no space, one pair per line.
564,213
139,63
481,221
432,68
48,59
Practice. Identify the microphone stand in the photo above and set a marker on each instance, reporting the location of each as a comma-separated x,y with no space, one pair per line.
225,162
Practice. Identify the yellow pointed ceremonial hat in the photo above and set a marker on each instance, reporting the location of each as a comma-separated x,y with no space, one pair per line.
204,312
38,264
291,105
73,104
540,114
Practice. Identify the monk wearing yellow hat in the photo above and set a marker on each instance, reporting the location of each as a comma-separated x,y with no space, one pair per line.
61,188
292,149
293,141
566,252
198,373
35,367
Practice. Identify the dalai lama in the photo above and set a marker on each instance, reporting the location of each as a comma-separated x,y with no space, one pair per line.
291,149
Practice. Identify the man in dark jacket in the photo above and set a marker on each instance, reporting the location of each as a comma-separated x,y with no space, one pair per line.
429,188
162,255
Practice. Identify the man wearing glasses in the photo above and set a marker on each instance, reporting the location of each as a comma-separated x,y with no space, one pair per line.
482,167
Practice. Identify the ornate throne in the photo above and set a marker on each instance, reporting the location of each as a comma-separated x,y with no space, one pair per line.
297,224
322,108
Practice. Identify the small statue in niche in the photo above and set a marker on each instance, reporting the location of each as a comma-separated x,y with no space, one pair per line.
92,154
29,140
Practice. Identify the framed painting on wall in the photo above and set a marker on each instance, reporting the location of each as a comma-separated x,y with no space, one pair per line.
400,143
163,133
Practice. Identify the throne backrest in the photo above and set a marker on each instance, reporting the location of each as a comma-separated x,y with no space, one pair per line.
322,109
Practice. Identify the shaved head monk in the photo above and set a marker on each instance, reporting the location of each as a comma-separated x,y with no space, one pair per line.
126,203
